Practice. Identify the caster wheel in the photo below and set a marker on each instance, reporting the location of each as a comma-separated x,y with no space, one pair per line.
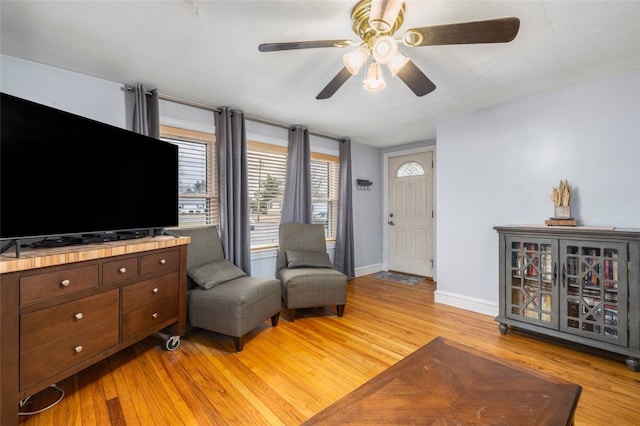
172,343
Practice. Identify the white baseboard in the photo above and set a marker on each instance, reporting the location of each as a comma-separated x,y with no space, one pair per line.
473,304
368,270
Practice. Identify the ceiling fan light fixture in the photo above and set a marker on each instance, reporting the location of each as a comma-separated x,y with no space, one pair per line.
397,63
383,14
374,80
413,38
384,49
355,60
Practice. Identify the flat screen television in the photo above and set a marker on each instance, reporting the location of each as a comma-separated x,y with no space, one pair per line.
65,175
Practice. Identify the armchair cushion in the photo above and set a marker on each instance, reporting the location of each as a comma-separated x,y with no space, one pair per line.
308,259
215,273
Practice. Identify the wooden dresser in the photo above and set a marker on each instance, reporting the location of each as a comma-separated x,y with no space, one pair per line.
64,309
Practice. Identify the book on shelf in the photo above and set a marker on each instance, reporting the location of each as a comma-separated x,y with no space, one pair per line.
572,265
546,263
532,260
546,305
593,328
591,301
516,261
608,268
591,290
610,314
572,310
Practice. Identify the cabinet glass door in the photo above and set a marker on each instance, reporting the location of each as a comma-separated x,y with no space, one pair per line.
593,290
531,290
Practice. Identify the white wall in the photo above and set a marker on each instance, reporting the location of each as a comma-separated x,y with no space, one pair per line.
79,94
186,117
367,209
496,166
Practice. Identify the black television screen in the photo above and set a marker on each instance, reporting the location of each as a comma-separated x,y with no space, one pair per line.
63,174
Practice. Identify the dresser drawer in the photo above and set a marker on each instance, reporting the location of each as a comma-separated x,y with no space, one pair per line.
149,318
45,325
59,355
143,293
167,261
35,288
119,270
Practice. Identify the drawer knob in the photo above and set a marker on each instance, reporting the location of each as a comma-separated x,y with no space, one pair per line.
154,315
163,261
78,316
155,290
78,349
65,283
123,270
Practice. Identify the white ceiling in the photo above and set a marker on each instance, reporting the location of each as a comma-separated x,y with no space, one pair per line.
207,52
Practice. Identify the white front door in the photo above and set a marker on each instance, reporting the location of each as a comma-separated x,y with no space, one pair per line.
410,213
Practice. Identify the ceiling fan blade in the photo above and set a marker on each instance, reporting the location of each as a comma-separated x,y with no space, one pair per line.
500,30
334,84
419,83
274,47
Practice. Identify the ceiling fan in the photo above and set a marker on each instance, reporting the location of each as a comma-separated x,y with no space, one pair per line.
375,22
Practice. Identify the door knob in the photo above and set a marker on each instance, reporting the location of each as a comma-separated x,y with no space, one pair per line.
391,223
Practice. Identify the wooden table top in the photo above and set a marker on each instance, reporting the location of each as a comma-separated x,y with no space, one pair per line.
40,258
448,383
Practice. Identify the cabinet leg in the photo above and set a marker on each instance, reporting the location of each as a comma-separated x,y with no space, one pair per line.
504,328
633,364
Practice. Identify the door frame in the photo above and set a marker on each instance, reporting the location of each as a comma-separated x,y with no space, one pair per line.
385,201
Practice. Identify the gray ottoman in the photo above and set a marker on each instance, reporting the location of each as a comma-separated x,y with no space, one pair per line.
235,307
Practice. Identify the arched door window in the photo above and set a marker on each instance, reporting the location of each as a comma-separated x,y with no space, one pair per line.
410,168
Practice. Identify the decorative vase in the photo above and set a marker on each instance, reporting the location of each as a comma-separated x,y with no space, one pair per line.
562,212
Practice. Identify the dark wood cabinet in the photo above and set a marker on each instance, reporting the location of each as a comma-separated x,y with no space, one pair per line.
580,284
64,310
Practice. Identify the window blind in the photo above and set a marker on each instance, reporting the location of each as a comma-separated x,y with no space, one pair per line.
197,186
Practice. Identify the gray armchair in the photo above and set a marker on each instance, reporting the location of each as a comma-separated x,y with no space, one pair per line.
305,271
221,298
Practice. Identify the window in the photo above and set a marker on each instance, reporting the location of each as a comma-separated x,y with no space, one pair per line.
324,192
267,171
410,168
198,191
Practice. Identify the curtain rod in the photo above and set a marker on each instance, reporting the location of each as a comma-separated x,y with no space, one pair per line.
188,103
246,116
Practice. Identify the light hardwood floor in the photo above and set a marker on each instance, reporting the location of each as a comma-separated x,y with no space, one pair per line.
288,373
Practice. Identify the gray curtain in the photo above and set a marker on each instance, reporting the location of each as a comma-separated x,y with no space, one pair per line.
146,113
233,187
296,203
344,257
